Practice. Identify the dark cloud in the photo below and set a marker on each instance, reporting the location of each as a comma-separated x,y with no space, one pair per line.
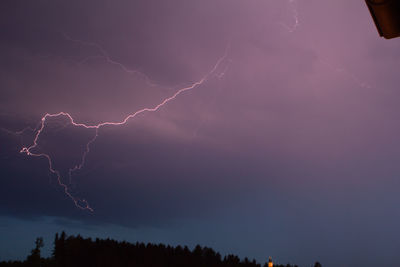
149,181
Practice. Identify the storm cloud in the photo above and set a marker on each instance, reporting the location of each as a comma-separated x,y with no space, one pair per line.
289,149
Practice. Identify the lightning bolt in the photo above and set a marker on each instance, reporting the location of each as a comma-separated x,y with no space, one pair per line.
29,150
293,7
345,72
20,131
105,56
293,4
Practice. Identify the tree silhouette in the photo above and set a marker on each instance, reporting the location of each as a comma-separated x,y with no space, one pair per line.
34,259
76,251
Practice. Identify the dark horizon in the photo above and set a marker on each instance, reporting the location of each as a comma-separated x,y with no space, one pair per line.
70,250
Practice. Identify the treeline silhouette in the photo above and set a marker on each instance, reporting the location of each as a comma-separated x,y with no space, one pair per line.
76,251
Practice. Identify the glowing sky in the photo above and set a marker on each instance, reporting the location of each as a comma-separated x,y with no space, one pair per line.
289,149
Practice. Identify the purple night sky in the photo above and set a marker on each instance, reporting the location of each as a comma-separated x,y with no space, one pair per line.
289,149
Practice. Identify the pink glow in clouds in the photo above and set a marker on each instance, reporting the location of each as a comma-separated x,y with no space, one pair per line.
82,203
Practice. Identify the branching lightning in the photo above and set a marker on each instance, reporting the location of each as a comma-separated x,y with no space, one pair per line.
29,150
105,56
346,73
102,54
339,69
293,7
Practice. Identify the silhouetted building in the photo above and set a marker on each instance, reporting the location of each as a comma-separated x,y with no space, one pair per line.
386,15
270,263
